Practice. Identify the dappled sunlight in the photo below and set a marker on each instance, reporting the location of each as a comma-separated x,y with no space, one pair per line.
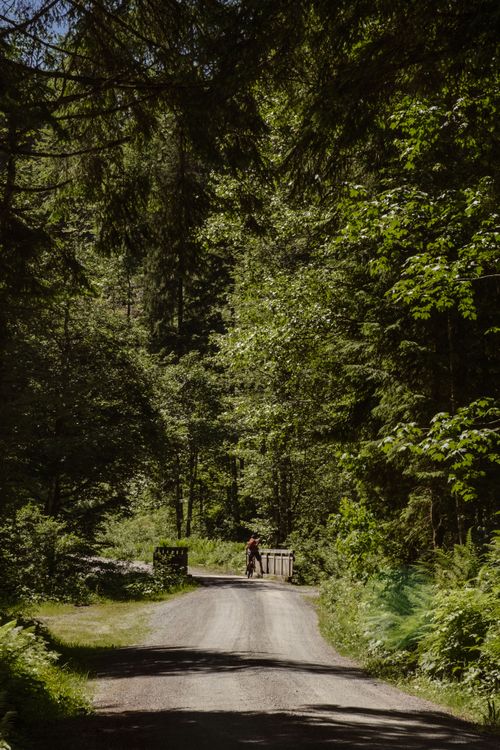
311,726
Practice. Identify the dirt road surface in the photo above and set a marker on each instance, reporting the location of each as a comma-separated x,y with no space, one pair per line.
240,664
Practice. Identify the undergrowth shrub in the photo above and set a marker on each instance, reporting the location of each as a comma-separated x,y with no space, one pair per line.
40,558
458,566
315,559
438,625
211,553
397,614
459,625
123,581
134,537
343,603
350,544
36,691
357,539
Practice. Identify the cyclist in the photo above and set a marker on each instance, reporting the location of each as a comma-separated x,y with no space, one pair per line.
253,550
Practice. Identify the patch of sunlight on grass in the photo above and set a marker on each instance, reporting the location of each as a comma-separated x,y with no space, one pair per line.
106,624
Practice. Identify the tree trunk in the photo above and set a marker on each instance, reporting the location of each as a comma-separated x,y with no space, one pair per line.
436,522
53,502
179,515
181,257
232,490
193,470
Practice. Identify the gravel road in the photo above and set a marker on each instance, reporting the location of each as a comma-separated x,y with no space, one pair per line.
240,664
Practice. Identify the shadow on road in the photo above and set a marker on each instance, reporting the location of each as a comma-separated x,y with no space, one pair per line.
315,727
149,661
233,581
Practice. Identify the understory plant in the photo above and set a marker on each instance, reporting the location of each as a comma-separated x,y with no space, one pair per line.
35,689
211,553
434,625
40,558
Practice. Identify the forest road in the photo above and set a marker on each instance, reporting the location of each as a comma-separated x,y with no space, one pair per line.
241,664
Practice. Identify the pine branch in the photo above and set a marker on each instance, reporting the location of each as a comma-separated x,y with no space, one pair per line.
102,113
24,24
119,21
64,154
46,44
37,189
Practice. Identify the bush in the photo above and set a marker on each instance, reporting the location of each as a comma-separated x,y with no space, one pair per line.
39,558
460,623
315,559
357,539
124,581
350,545
36,690
458,566
134,537
438,627
211,553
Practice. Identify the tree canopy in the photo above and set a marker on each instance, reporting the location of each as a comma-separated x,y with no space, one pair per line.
249,264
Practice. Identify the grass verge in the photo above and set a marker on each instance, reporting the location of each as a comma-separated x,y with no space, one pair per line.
342,633
105,624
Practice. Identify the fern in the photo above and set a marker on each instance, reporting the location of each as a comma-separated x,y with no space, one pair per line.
489,574
398,609
458,566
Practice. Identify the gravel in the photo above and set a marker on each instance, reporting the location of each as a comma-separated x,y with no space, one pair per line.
241,664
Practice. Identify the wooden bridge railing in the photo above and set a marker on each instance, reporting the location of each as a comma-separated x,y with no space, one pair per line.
277,562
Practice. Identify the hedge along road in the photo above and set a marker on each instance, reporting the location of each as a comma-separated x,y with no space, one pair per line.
240,664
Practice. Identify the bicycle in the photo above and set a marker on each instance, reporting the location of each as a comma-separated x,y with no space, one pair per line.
250,570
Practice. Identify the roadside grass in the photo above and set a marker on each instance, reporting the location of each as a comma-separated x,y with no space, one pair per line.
342,633
107,624
103,625
36,691
471,707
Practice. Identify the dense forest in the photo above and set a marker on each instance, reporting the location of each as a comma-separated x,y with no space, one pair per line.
249,281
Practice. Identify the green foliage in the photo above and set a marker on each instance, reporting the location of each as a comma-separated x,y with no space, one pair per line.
40,558
460,622
357,539
457,567
134,537
342,602
315,559
432,626
262,313
118,581
75,373
467,442
215,554
37,690
399,603
489,573
349,544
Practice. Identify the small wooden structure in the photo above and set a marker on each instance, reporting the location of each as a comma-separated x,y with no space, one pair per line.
173,558
277,562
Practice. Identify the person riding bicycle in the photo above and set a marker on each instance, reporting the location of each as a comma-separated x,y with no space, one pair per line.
253,550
